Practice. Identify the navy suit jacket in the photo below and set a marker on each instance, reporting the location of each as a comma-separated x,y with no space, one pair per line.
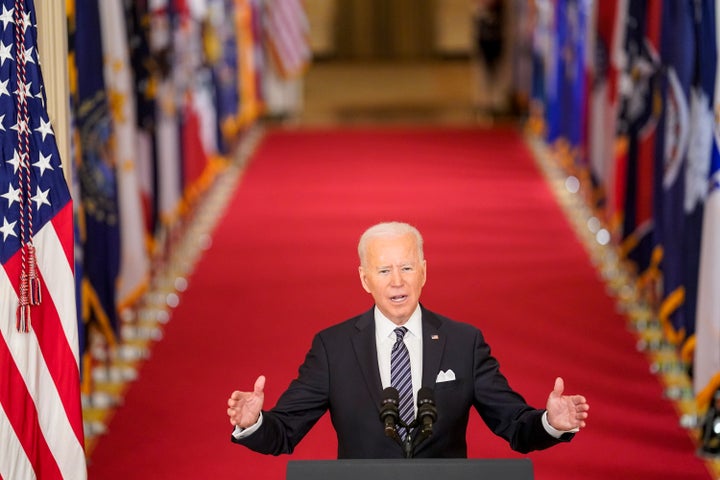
340,375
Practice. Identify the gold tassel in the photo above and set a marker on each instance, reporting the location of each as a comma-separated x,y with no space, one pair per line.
23,310
35,290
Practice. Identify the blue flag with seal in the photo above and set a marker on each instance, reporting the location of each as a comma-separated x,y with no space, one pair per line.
677,52
698,160
96,176
706,361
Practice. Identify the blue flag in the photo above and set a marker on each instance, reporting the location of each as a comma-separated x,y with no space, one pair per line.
555,70
677,52
706,365
699,156
225,74
96,175
572,33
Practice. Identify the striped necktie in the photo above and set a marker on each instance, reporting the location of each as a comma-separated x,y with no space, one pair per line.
401,379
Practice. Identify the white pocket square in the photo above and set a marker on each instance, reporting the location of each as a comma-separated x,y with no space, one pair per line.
447,376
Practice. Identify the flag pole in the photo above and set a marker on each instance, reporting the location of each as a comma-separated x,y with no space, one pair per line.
53,50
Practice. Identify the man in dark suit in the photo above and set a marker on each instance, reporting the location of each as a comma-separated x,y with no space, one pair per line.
349,365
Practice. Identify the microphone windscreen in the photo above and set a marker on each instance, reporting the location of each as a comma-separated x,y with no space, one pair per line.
391,393
426,396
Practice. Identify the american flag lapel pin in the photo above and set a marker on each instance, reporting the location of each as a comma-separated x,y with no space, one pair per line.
434,337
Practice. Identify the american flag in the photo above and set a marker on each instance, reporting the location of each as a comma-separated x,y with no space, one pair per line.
288,30
41,430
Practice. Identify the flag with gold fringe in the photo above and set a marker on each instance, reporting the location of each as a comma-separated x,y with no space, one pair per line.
637,123
677,51
99,229
706,364
134,273
698,160
41,428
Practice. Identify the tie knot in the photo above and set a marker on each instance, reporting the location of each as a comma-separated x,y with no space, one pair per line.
400,333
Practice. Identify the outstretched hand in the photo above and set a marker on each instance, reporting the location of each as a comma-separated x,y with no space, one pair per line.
244,407
566,412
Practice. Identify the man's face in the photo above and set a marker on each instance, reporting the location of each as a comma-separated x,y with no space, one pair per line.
394,275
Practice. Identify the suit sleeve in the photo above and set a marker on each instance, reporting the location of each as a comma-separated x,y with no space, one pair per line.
297,410
504,410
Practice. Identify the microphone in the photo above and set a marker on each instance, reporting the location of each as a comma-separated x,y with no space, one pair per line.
389,413
426,415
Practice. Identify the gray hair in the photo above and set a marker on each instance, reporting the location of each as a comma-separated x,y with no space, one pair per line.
389,230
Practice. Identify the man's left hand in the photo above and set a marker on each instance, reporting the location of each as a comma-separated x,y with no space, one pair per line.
566,412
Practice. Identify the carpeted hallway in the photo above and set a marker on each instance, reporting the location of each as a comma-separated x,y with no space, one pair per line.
283,264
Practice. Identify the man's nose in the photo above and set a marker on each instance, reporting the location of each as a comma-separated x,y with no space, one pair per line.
396,277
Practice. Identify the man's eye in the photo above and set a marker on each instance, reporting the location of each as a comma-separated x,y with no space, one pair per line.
384,272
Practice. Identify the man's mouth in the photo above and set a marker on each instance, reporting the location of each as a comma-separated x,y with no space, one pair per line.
398,298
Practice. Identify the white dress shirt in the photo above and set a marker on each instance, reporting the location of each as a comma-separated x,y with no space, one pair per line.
385,339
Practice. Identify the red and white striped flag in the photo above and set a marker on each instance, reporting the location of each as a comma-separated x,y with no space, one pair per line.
287,31
41,428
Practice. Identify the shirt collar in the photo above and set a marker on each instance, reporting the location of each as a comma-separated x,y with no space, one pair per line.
384,326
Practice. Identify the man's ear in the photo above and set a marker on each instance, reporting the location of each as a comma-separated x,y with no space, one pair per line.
361,272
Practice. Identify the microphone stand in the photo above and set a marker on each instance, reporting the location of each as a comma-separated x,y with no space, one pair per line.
426,415
422,434
407,444
410,443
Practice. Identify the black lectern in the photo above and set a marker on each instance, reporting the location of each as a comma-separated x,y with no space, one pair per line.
411,469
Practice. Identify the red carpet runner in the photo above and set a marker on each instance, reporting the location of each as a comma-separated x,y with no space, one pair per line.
283,265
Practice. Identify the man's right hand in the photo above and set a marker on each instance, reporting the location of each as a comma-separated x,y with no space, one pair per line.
244,407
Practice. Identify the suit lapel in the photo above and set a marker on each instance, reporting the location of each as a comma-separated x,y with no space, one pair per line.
366,352
433,347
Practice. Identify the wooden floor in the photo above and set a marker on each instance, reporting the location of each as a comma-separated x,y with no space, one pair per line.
432,92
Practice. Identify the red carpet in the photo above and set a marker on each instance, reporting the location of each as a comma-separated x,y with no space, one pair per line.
283,265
